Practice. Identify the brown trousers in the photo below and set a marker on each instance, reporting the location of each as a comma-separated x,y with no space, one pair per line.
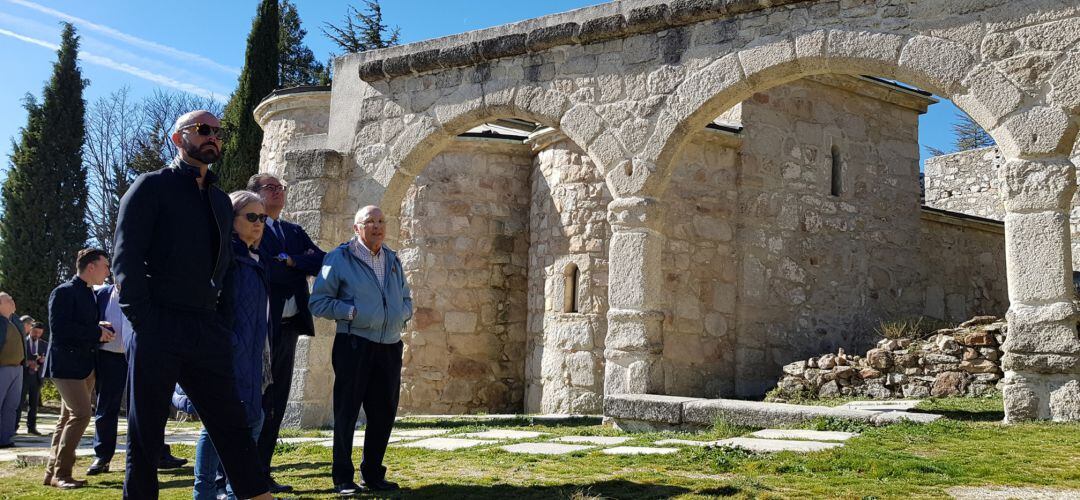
75,415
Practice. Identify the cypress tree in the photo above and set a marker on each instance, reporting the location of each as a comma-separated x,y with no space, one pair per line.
298,64
258,78
43,225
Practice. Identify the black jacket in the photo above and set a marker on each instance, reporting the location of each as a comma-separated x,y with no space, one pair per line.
288,281
172,244
73,326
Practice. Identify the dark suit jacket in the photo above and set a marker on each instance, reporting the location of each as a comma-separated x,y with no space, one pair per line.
288,281
42,347
73,326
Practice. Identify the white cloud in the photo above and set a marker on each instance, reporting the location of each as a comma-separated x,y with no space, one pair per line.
134,40
119,66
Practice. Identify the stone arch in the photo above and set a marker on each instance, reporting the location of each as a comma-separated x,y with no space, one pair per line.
941,66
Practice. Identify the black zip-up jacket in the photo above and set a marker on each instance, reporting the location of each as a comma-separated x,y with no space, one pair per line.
172,244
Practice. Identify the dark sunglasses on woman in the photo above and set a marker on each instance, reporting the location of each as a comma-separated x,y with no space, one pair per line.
252,217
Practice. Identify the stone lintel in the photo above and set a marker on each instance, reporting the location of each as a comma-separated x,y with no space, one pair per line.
591,24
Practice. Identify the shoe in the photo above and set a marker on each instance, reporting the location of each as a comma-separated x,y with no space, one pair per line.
9,445
47,481
347,489
66,483
279,488
171,462
380,485
34,432
97,467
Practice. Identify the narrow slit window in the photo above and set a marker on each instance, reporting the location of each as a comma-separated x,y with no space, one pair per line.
836,179
570,288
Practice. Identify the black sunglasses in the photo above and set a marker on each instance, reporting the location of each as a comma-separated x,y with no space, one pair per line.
205,130
252,217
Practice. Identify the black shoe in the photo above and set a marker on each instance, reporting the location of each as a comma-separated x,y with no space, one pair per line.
171,462
99,466
34,432
347,489
279,488
9,445
380,485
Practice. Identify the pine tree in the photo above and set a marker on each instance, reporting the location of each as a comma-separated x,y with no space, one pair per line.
362,31
297,62
257,80
45,193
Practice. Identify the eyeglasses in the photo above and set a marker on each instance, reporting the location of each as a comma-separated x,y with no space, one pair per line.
373,223
205,130
253,217
273,188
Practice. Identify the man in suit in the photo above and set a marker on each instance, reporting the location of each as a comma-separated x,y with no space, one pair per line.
32,376
295,258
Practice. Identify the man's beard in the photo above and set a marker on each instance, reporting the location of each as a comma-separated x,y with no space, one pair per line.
206,153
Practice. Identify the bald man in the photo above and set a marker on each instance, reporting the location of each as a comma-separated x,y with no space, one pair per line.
172,251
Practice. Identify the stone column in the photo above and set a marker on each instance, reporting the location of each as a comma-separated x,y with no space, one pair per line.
1042,350
635,342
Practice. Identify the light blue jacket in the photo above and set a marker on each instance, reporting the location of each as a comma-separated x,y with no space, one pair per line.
345,282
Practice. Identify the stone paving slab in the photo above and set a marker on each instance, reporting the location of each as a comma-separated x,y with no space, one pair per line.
600,440
358,441
684,442
897,405
301,440
1010,492
447,444
503,434
418,433
803,434
545,448
639,450
892,417
773,445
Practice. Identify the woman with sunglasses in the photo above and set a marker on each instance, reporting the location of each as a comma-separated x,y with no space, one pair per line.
245,294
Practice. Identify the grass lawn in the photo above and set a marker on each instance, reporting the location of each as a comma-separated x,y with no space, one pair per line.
904,460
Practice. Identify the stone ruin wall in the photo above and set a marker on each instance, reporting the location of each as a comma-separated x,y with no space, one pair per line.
963,267
568,229
464,246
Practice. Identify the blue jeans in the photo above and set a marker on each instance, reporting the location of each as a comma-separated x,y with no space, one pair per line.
207,464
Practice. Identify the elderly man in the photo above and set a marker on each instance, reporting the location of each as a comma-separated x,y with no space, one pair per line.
12,359
173,247
362,287
32,375
295,257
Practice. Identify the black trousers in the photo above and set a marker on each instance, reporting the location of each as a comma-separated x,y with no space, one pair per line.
31,399
276,398
110,370
366,374
191,348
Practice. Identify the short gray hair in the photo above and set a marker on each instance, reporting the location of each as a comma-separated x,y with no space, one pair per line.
363,212
241,199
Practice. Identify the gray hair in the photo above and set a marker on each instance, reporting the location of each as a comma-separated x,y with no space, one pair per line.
241,199
363,213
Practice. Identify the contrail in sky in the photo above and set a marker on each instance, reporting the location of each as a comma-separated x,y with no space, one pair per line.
119,66
119,35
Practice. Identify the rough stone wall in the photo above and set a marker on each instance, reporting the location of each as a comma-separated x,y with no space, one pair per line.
464,235
700,269
288,117
568,229
966,182
817,270
962,268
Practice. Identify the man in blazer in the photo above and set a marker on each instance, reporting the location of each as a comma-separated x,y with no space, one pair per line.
295,257
33,375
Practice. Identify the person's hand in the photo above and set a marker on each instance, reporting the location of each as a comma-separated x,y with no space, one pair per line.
107,334
32,365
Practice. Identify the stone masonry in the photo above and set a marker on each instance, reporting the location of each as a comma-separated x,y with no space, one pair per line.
632,84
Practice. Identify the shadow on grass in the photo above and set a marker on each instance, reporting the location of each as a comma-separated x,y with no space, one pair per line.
968,415
605,489
516,421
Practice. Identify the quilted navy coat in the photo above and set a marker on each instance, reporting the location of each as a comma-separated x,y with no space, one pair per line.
246,295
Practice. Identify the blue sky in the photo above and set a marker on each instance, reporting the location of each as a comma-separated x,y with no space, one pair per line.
200,47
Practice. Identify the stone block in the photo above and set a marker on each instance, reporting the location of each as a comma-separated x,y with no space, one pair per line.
1038,247
647,407
597,440
503,46
544,448
765,61
1037,185
460,55
424,61
638,450
460,322
803,434
873,53
758,414
689,11
1051,337
397,66
544,38
1065,402
1065,83
1022,399
935,64
647,19
602,28
892,417
775,445
371,70
1039,131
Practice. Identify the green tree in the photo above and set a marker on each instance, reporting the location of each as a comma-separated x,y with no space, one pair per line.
43,224
966,135
297,63
362,31
257,80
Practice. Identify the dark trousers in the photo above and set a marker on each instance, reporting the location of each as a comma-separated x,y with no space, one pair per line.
110,369
366,374
276,398
31,399
192,348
